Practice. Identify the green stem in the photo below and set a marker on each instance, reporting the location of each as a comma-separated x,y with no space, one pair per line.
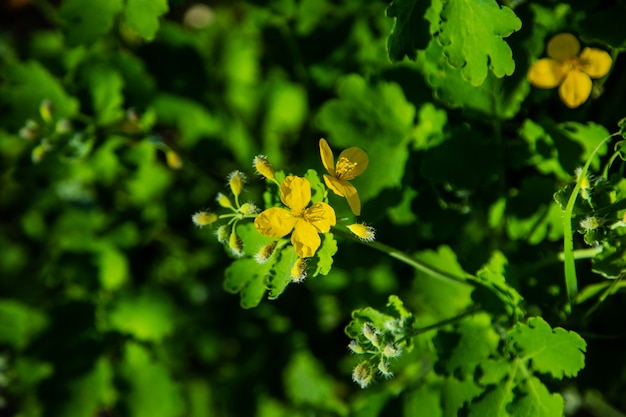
571,282
407,259
442,323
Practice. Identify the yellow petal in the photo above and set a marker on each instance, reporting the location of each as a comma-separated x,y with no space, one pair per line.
595,62
353,198
563,46
305,239
546,73
575,89
321,216
275,222
335,184
295,193
351,162
328,160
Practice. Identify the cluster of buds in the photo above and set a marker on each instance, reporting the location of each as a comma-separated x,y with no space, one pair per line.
46,131
378,347
227,233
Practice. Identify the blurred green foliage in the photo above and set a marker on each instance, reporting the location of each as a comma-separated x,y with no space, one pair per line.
120,119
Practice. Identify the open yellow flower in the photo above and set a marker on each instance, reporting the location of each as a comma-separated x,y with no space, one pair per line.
351,162
570,71
306,223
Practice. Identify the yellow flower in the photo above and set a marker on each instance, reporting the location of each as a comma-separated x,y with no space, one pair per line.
570,71
306,223
351,162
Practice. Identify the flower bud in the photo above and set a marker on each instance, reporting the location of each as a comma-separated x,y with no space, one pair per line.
173,160
265,252
204,218
248,208
371,334
355,347
263,167
45,110
383,368
298,270
38,152
224,201
235,244
390,351
30,130
236,180
362,231
222,233
62,127
362,374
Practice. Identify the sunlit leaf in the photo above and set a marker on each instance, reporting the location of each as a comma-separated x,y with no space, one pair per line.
84,25
146,316
555,351
472,37
143,16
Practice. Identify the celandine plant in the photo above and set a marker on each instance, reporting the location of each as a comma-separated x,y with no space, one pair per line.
492,348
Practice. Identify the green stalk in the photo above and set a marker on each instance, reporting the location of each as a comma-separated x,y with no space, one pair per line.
571,281
407,259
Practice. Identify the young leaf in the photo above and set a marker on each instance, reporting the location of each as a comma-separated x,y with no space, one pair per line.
472,34
493,403
86,23
281,274
323,260
143,16
555,351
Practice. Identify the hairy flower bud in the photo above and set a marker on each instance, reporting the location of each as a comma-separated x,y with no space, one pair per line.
263,167
204,218
236,180
371,334
265,252
224,201
173,160
235,244
355,347
383,368
45,110
362,374
391,351
223,233
298,271
248,208
362,231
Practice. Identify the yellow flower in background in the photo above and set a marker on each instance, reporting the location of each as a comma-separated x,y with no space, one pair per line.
351,163
306,223
569,70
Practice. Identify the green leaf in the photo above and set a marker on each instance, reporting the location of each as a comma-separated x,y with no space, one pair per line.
493,283
472,341
456,393
253,292
91,392
493,403
423,401
429,131
105,84
114,268
555,351
281,274
84,25
318,189
306,383
19,323
143,16
537,401
148,379
410,31
472,37
148,315
323,260
377,118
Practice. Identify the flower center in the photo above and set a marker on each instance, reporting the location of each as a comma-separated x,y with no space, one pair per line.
344,168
